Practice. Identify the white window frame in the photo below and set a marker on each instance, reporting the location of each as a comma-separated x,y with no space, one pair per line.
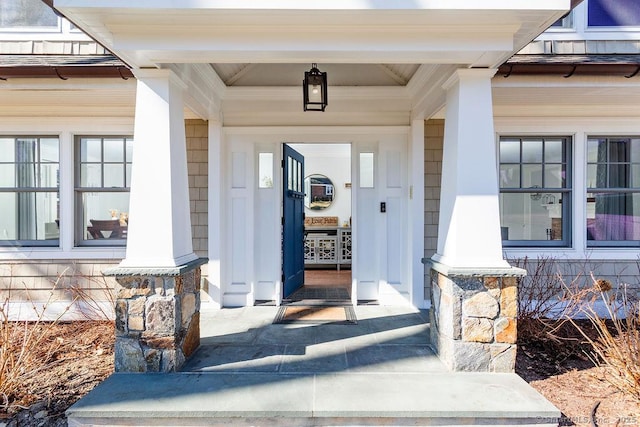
567,210
79,224
34,189
589,190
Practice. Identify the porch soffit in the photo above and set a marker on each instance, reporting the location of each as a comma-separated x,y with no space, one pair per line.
145,33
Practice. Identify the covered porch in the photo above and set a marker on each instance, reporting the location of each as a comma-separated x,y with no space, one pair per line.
238,65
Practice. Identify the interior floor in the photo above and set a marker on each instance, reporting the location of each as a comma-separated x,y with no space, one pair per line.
323,285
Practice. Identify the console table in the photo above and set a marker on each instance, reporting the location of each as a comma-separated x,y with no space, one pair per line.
327,245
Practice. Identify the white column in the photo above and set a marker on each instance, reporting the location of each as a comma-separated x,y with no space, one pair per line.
215,206
469,224
159,232
416,209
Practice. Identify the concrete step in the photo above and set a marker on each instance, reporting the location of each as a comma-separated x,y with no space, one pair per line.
331,399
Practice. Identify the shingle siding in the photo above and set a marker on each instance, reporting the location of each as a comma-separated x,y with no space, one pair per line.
433,142
196,132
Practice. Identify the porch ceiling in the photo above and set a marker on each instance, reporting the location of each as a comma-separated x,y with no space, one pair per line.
367,47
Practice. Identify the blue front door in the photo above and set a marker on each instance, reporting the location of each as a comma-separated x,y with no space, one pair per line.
292,221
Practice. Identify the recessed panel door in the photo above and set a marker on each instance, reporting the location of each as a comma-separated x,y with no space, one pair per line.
292,221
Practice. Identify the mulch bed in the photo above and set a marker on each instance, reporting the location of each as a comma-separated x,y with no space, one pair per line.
562,370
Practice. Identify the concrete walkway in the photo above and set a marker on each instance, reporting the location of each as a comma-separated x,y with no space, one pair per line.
251,372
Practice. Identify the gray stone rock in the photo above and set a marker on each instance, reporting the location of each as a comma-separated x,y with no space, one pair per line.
471,357
470,283
128,355
189,281
481,304
121,315
503,358
152,358
171,360
161,315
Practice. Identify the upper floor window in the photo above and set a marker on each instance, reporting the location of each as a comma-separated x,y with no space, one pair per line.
564,22
27,14
29,191
103,178
535,191
613,13
613,191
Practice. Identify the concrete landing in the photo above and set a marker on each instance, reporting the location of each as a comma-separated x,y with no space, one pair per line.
250,372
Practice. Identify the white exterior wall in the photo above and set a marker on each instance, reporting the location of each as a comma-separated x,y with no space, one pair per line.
250,262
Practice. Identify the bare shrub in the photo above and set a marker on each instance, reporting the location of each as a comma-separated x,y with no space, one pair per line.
91,307
544,298
538,295
22,353
616,344
29,350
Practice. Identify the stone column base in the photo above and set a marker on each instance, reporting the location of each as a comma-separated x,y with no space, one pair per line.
474,317
157,317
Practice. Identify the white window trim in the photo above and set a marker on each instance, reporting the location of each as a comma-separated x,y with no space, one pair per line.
579,129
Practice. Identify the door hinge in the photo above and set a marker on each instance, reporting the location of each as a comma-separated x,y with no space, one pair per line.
282,221
282,163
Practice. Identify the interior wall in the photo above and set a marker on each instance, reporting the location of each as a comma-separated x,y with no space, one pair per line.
333,161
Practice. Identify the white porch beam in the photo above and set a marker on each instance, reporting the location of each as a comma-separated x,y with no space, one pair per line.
426,91
204,90
159,226
469,227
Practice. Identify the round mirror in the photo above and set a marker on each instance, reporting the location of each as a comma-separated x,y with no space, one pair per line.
318,192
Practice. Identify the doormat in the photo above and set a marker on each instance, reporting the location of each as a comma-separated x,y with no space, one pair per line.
316,315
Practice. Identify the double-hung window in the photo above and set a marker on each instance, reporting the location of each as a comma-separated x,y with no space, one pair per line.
103,178
29,191
613,191
535,191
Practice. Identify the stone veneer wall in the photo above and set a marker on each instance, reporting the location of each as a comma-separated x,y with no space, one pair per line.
474,321
433,143
157,320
